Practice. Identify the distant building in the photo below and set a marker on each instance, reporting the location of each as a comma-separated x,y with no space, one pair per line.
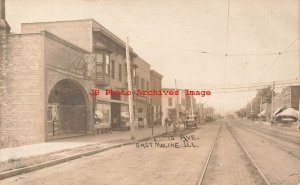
156,101
199,111
288,98
142,82
189,104
169,105
278,101
265,113
291,97
208,113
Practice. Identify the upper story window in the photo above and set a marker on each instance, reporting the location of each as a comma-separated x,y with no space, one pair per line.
137,82
142,83
147,87
120,72
113,69
102,64
107,61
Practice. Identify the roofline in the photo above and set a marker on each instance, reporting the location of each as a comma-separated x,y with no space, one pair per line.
46,22
156,73
103,29
113,36
58,39
144,61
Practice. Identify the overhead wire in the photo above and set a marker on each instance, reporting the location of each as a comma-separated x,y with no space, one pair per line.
278,56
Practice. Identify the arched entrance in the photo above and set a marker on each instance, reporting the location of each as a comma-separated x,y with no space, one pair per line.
67,110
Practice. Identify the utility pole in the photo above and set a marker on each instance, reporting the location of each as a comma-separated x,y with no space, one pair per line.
152,121
251,112
272,103
177,111
132,126
299,116
260,110
192,105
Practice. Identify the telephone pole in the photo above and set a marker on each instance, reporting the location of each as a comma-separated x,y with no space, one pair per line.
177,111
251,112
132,126
272,103
260,110
192,105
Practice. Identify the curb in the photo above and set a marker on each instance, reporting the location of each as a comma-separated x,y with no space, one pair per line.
39,166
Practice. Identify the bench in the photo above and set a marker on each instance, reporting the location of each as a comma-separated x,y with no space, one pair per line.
102,129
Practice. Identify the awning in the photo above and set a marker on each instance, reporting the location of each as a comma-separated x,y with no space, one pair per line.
263,113
289,112
277,111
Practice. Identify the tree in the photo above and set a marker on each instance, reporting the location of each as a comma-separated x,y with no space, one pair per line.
265,93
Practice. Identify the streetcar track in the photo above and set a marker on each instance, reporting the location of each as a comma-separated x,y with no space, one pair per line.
208,158
248,155
201,179
292,139
276,142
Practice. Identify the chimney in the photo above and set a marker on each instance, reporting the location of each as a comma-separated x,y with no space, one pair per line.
3,24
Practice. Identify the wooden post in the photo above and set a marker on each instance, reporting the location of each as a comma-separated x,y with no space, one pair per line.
132,126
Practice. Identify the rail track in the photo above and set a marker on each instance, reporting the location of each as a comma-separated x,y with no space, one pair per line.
276,134
251,160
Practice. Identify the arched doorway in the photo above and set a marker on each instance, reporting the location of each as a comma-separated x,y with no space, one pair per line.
67,110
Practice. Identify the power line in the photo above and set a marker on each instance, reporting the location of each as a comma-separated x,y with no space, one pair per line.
222,54
227,27
247,90
254,84
278,56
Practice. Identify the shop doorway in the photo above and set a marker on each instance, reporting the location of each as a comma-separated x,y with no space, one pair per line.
67,110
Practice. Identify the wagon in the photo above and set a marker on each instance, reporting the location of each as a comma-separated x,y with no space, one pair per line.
190,122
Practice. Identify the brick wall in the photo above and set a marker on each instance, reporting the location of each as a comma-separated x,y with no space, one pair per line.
22,116
66,61
76,32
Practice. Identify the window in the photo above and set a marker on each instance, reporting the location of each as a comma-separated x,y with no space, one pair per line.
170,102
142,83
107,64
140,110
113,69
125,69
147,85
99,69
137,82
99,65
120,72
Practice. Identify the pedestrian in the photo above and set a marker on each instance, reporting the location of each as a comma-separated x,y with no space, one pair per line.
55,120
167,121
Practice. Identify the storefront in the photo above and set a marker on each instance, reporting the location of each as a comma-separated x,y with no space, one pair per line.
142,111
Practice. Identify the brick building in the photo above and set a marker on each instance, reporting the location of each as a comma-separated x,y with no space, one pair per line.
43,81
47,73
110,60
288,98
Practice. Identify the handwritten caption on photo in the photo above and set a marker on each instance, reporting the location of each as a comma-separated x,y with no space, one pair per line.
183,141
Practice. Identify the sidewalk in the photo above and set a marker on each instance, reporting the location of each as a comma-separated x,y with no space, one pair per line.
105,140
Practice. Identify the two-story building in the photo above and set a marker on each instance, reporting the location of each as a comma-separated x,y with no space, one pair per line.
142,103
172,103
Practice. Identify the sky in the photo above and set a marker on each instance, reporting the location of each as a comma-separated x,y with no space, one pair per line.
187,40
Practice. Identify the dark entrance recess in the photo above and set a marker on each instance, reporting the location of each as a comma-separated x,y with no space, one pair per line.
116,114
67,110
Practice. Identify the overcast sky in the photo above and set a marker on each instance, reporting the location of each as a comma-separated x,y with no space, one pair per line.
172,35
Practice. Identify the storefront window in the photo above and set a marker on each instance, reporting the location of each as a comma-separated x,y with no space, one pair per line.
125,119
102,114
